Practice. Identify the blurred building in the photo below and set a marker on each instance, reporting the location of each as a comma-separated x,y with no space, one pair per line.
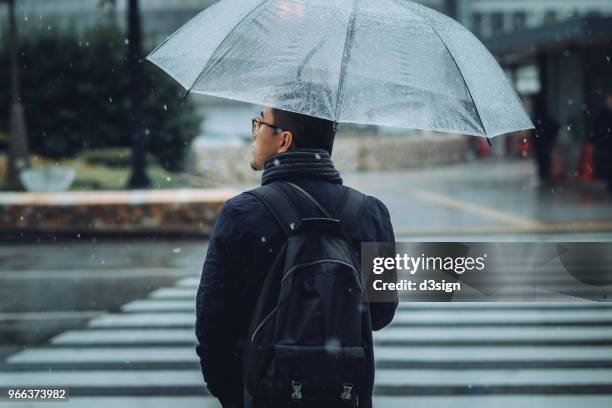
493,17
491,20
559,48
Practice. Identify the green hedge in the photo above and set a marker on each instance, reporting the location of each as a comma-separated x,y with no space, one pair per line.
75,93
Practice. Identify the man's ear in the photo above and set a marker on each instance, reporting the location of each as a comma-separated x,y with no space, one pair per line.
286,141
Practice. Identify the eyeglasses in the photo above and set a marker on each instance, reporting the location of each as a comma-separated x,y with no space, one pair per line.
256,123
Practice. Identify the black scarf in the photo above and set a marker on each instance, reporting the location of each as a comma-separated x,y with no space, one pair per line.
310,163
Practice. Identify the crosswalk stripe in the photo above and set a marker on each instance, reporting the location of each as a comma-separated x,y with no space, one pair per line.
485,316
553,292
105,378
179,305
384,377
60,315
492,377
496,333
484,353
500,277
124,336
431,353
189,281
174,292
157,306
104,354
144,319
392,333
476,306
402,317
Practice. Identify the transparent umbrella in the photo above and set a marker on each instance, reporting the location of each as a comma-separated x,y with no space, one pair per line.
381,62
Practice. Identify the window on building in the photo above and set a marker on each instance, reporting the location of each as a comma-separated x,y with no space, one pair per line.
519,20
550,17
527,79
477,24
497,22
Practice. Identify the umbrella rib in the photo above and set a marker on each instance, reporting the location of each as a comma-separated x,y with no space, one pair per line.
460,73
221,43
348,41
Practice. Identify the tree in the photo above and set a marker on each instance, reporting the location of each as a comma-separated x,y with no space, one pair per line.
17,158
76,85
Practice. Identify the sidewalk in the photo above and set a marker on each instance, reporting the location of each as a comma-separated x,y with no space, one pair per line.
484,197
487,197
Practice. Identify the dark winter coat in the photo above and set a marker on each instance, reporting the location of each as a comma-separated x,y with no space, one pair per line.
244,242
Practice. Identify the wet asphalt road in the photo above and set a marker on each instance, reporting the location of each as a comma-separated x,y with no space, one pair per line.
46,288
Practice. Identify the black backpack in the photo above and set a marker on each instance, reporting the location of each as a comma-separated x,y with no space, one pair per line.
307,343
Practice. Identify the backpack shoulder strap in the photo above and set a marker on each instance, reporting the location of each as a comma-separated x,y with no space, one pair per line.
280,206
311,198
350,210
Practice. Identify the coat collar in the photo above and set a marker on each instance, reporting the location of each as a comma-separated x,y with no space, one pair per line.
304,163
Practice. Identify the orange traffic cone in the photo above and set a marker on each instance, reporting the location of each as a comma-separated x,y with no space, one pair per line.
587,155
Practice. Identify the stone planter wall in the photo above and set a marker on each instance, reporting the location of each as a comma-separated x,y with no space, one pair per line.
179,212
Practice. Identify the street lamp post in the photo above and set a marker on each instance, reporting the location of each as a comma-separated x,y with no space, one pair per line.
17,159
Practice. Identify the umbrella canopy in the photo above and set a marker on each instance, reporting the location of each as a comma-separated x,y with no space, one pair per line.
381,62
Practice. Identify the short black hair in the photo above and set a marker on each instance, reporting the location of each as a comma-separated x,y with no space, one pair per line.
308,131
